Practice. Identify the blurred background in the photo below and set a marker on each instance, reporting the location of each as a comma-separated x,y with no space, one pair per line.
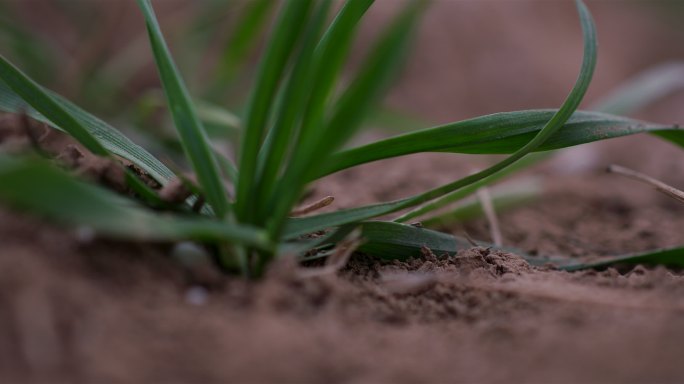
469,58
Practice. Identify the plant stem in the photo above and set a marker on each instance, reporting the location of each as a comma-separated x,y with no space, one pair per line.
657,184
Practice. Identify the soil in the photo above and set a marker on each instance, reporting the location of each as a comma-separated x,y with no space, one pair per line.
78,309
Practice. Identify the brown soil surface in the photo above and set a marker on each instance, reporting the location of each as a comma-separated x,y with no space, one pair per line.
76,309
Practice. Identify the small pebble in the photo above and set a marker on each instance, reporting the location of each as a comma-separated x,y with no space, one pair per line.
196,296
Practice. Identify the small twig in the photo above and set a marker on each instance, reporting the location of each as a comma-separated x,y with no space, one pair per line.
657,184
316,205
470,239
338,259
488,208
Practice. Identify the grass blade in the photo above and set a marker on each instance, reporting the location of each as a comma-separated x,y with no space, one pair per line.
189,127
673,257
313,223
330,56
399,241
393,241
673,136
36,185
244,36
370,84
327,64
43,102
636,93
499,133
110,138
285,34
642,90
296,91
211,114
354,104
394,120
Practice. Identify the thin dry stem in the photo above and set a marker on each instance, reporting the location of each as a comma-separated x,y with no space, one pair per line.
470,239
657,184
490,213
338,259
316,205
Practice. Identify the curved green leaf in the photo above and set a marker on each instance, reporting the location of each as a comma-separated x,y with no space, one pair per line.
285,35
297,227
347,115
35,96
188,125
400,241
673,257
110,138
392,241
243,39
499,133
326,68
35,185
296,91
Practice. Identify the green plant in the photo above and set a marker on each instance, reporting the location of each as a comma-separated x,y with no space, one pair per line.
296,124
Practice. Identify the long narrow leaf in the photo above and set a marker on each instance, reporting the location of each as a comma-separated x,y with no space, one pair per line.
35,185
301,226
363,93
327,64
243,38
400,241
189,127
285,34
330,56
41,101
673,257
296,91
642,90
499,133
110,138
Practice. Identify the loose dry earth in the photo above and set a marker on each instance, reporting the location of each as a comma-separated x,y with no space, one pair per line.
75,309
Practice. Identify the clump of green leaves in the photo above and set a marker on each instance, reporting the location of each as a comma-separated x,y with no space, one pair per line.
297,122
